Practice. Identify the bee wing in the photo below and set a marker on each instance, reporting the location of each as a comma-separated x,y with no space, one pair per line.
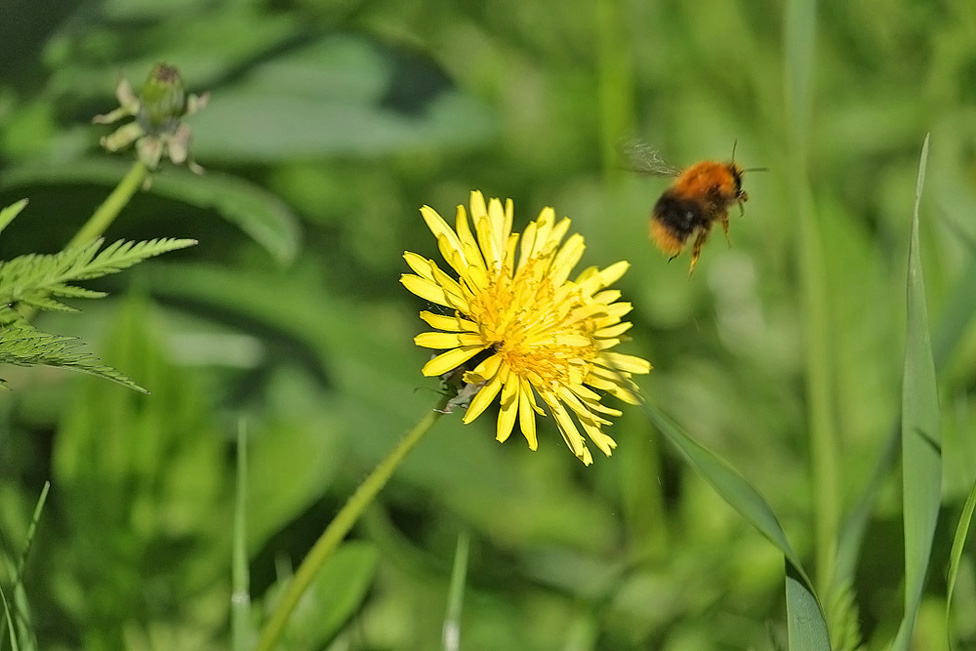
644,159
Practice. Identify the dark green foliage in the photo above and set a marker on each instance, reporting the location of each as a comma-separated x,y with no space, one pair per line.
330,123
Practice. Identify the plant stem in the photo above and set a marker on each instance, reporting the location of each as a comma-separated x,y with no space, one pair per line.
106,213
340,526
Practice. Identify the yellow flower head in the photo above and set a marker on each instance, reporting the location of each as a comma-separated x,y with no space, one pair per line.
540,334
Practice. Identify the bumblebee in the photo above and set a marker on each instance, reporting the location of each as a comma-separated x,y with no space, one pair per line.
700,196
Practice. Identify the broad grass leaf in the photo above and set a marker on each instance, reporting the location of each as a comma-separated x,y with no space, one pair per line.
806,617
921,436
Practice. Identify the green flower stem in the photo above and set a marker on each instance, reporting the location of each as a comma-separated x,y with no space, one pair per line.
340,526
106,213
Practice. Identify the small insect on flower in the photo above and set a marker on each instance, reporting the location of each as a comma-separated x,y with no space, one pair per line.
700,196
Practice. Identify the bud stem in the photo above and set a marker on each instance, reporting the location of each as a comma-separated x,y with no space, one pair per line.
106,213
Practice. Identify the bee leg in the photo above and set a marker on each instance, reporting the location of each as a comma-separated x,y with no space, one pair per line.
674,256
724,220
697,247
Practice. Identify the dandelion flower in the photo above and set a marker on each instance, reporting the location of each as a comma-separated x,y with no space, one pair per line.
538,340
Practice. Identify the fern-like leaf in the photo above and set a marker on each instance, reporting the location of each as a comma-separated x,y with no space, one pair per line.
36,279
25,346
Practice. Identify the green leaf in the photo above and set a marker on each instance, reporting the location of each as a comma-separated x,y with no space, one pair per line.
258,213
955,556
921,438
7,214
24,346
339,95
806,615
262,216
253,126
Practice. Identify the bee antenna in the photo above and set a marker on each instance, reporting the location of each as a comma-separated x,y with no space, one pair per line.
756,169
734,143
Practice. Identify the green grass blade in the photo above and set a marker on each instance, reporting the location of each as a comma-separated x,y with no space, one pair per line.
805,611
955,556
17,574
240,602
31,531
8,619
957,315
451,636
921,438
7,214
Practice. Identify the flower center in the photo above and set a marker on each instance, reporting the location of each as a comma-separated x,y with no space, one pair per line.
522,320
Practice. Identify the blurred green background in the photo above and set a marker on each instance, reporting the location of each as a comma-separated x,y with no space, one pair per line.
330,124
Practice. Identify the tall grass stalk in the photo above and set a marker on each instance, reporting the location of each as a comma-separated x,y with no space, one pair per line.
240,600
800,40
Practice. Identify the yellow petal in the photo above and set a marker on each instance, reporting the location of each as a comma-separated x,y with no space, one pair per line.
477,202
468,243
627,363
482,399
425,289
580,409
450,360
447,239
484,371
419,264
615,330
607,296
509,217
437,340
557,233
614,272
567,258
501,226
509,408
526,416
450,323
543,229
601,440
528,243
566,425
